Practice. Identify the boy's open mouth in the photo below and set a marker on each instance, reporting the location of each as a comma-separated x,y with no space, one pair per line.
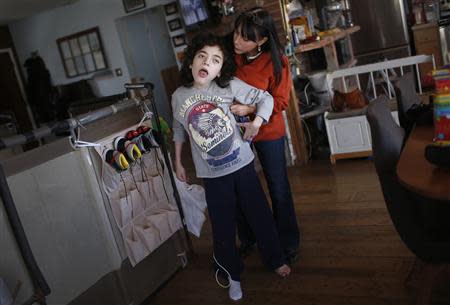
203,73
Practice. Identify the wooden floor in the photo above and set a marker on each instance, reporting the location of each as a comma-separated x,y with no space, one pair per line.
350,252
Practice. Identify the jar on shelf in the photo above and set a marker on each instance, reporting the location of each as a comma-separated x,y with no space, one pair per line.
431,10
418,12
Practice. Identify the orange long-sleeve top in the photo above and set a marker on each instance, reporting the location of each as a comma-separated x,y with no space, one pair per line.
260,74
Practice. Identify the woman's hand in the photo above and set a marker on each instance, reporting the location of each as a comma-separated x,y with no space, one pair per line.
251,128
180,172
242,110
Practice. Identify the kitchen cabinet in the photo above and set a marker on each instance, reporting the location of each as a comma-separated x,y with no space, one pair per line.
427,42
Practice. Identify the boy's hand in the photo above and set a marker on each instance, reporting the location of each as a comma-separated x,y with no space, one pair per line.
251,128
180,172
242,110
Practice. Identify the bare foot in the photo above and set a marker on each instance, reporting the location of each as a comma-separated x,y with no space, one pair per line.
283,271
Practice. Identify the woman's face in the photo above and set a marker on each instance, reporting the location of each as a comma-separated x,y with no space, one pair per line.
243,45
206,65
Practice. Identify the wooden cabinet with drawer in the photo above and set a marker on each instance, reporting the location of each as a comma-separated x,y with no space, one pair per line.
427,42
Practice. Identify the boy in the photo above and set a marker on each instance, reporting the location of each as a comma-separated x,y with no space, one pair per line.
222,156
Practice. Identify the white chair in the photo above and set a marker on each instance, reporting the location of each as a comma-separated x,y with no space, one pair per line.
348,132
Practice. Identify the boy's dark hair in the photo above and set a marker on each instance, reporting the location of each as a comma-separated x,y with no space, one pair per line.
198,42
255,24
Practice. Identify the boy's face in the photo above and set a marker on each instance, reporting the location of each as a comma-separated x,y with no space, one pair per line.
206,65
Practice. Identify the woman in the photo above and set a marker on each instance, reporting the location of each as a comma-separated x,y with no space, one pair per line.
261,63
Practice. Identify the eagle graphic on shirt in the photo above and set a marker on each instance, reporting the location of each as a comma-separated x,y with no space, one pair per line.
211,130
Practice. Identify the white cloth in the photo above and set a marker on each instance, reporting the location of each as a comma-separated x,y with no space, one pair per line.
193,202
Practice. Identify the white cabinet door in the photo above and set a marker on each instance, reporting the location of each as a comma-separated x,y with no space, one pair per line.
348,135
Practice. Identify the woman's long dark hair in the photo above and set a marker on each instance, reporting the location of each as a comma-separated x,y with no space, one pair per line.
198,43
255,24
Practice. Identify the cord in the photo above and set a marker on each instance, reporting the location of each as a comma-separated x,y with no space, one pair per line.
306,95
309,138
217,272
126,194
144,174
161,174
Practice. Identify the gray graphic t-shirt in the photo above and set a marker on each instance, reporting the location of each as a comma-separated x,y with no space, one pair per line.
216,141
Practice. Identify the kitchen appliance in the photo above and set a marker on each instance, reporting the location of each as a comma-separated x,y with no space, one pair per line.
444,30
383,34
445,4
383,31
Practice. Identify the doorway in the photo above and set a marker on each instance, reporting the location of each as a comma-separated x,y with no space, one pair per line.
146,44
13,100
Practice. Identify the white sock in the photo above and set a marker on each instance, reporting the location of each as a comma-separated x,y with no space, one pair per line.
235,291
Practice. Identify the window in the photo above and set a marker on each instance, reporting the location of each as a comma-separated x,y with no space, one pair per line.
82,53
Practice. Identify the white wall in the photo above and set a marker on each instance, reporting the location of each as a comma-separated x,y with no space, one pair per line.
40,32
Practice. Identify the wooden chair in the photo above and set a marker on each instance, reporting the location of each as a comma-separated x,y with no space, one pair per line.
406,96
406,209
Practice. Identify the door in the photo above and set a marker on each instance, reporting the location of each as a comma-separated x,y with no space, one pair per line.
12,99
148,50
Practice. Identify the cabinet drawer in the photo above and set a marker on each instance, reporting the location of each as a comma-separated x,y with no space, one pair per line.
427,34
430,48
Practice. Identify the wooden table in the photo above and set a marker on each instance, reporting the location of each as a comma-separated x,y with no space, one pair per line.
416,173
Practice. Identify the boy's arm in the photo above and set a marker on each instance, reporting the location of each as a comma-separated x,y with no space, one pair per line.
250,95
179,168
179,138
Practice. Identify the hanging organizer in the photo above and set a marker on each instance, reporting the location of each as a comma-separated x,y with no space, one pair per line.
141,200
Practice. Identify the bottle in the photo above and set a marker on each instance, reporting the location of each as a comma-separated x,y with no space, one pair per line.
418,12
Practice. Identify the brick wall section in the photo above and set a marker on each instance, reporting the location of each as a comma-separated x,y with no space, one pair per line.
226,25
274,8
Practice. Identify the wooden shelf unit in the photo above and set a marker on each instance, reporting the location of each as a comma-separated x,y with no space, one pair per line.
326,40
427,42
329,47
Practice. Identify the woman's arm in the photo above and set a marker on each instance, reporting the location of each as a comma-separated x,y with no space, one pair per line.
281,91
242,110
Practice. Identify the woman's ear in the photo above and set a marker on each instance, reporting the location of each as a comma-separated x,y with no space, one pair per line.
190,66
262,41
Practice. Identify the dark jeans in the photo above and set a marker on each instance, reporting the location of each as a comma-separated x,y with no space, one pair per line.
224,196
273,161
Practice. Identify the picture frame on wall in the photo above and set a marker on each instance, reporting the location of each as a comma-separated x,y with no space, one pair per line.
179,40
133,5
174,24
170,9
180,56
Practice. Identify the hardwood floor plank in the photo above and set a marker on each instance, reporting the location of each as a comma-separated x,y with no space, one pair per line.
350,253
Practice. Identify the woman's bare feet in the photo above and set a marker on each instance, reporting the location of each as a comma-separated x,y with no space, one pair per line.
283,271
